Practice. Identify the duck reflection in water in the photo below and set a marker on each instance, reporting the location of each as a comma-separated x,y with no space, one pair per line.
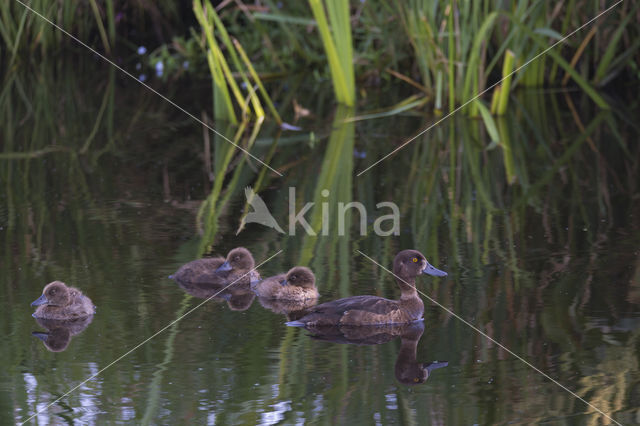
408,370
59,332
237,298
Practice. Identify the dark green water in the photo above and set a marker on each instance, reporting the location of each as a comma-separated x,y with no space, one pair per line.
101,183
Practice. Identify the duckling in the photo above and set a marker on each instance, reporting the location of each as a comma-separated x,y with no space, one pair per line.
298,284
374,310
237,268
60,302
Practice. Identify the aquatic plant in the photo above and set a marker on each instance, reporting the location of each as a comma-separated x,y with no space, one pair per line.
335,29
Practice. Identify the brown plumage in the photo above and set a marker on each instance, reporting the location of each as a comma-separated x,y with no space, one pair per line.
408,370
299,284
236,269
59,302
374,310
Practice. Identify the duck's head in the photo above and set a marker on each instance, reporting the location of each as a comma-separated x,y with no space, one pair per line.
238,259
300,276
54,294
408,264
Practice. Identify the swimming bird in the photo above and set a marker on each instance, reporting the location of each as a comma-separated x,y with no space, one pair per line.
298,284
374,310
237,268
60,302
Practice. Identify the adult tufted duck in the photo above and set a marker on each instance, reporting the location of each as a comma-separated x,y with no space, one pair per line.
374,310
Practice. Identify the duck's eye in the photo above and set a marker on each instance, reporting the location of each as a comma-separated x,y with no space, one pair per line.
414,260
416,379
293,278
236,258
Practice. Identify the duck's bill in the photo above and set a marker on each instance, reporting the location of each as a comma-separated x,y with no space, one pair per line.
433,271
39,301
283,283
224,267
435,365
40,335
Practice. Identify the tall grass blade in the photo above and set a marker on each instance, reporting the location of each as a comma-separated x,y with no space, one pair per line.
505,86
223,106
337,45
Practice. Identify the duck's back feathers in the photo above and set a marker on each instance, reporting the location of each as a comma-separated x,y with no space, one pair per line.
357,310
200,271
296,285
271,288
268,287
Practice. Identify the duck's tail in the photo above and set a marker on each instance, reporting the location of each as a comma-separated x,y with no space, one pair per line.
295,324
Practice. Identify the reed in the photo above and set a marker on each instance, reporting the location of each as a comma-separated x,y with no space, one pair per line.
226,88
525,31
450,51
22,31
334,26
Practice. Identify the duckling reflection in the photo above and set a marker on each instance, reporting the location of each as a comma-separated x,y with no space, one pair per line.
237,298
59,332
292,309
407,369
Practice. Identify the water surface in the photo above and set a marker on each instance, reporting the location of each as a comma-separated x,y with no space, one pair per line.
539,235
